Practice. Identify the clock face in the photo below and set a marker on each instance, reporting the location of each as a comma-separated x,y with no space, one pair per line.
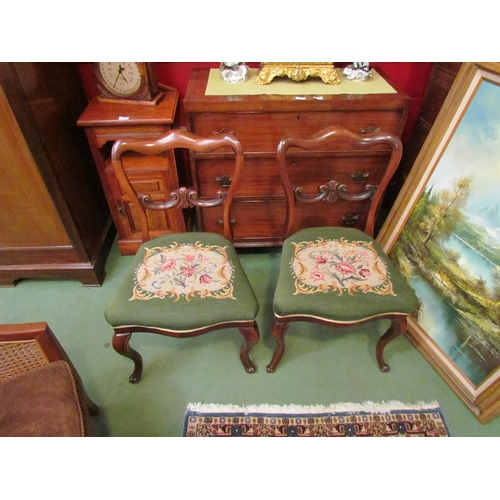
122,79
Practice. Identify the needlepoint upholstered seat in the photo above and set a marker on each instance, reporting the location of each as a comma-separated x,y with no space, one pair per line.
186,284
338,276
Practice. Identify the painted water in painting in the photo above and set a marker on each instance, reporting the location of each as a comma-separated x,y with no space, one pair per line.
449,249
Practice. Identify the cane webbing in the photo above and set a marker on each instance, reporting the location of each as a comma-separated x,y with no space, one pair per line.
19,357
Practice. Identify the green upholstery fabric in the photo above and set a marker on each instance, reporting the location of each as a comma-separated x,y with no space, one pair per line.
182,313
339,305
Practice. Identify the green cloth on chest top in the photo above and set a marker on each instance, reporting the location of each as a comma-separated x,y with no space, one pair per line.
301,289
203,288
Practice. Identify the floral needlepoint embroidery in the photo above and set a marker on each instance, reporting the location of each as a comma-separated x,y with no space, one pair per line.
184,270
339,266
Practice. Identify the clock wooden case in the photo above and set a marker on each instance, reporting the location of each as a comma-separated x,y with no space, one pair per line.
127,82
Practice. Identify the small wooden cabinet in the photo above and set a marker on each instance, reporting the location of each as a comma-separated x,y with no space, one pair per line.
260,122
106,123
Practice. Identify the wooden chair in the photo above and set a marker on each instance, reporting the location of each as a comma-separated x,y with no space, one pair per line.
185,284
41,391
338,276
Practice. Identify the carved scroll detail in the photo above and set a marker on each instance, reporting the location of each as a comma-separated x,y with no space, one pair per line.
332,191
326,192
367,194
184,197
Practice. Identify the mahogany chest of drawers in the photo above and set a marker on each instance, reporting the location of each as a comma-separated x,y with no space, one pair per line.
260,122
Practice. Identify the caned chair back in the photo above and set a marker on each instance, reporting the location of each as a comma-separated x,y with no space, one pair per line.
183,197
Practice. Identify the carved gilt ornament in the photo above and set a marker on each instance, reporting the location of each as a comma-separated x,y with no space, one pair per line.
297,71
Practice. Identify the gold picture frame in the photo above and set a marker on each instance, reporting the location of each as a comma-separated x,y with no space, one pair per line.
434,226
297,71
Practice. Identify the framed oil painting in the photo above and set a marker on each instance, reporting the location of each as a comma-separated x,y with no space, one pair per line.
443,233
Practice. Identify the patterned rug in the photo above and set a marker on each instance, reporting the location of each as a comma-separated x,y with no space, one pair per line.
393,419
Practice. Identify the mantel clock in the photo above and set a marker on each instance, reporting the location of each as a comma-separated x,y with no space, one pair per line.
127,82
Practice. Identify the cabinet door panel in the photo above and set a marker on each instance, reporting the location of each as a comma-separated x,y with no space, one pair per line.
148,175
28,217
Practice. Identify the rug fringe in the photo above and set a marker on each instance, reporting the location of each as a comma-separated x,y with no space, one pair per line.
350,407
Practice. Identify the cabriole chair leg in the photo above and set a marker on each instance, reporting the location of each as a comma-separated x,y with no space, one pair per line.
121,346
398,326
251,336
278,331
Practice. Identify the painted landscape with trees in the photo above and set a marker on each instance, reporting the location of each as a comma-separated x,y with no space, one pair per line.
449,249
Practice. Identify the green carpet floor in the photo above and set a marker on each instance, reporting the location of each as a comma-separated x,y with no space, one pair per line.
320,365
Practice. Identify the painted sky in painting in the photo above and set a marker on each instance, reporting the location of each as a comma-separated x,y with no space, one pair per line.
475,149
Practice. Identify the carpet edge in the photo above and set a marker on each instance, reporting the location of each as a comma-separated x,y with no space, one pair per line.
369,406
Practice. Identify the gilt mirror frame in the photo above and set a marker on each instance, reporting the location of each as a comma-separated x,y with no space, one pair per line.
452,168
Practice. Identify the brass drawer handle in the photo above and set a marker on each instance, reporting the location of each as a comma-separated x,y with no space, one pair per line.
359,177
370,129
221,222
350,219
224,181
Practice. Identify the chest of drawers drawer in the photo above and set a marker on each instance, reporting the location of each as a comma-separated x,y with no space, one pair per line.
255,221
261,132
356,173
260,221
260,177
128,132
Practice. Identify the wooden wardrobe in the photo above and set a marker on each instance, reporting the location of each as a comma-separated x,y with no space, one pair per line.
54,219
